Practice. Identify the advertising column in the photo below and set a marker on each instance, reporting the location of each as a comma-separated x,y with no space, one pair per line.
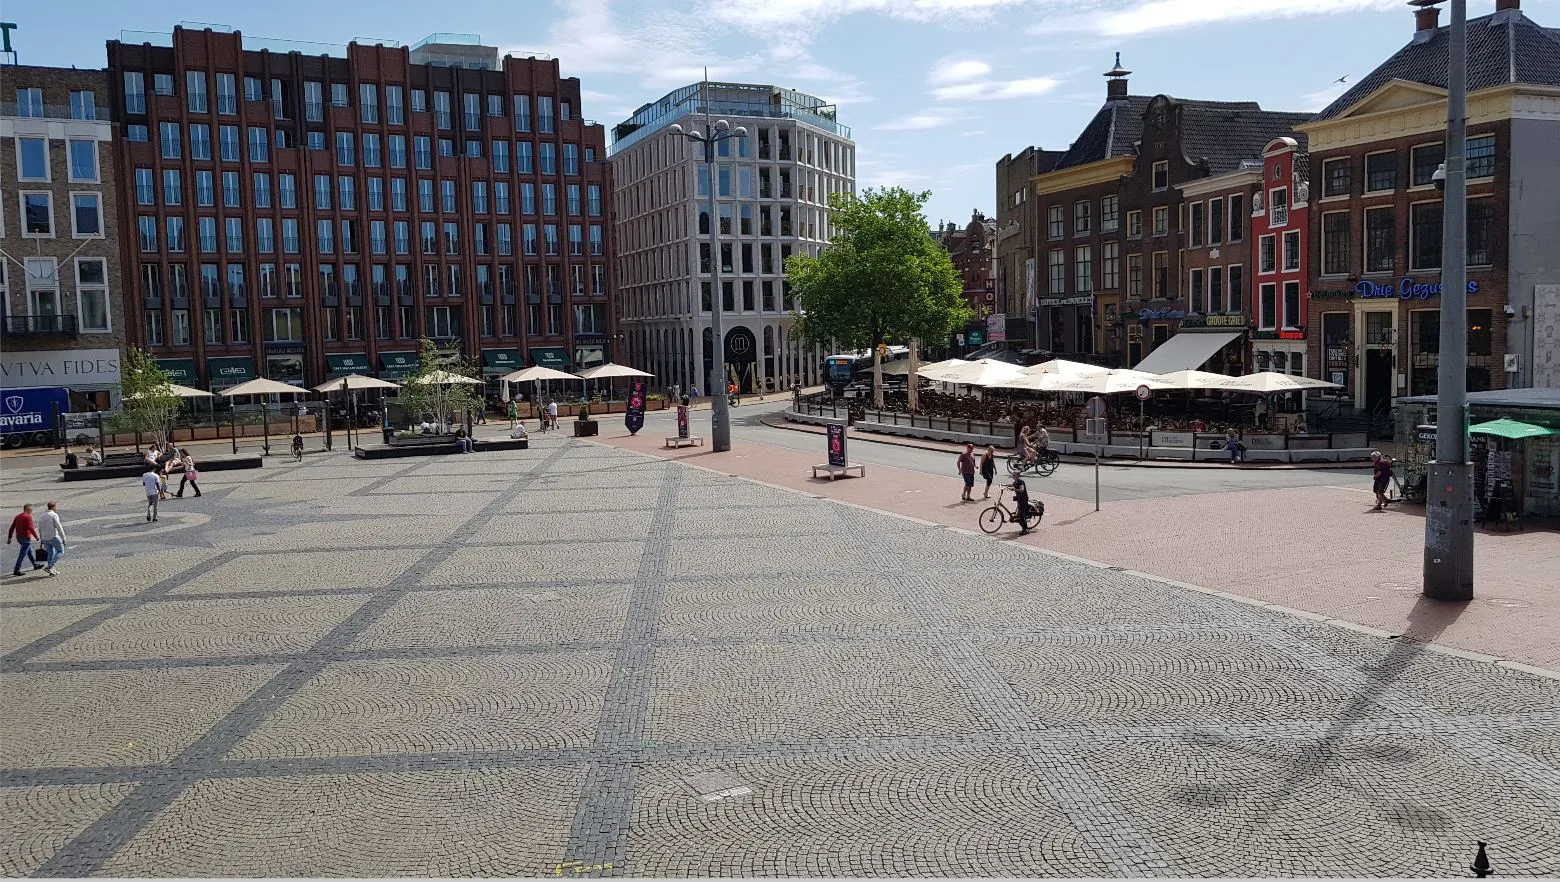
634,417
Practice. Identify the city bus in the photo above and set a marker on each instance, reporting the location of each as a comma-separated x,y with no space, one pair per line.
840,370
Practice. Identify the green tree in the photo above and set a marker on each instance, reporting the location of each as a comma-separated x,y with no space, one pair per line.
881,280
149,403
428,392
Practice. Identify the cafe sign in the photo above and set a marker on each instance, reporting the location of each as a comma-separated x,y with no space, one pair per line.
1406,289
1225,321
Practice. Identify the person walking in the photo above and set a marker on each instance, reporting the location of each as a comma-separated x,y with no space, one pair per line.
1381,478
552,414
190,476
25,532
152,483
967,471
988,469
514,414
52,534
693,390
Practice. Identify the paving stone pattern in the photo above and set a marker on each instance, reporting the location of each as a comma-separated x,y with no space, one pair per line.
575,660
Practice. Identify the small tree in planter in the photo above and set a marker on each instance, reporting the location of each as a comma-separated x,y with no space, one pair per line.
584,426
424,394
149,402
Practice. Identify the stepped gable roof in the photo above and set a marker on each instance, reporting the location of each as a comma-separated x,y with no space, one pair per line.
1503,48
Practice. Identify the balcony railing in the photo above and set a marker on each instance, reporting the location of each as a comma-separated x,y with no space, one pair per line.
40,325
53,111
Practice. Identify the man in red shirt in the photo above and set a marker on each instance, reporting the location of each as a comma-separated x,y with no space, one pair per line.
25,532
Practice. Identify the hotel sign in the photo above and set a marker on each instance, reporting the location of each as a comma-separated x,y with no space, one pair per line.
1406,289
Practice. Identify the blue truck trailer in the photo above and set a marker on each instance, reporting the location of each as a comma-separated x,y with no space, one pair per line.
32,417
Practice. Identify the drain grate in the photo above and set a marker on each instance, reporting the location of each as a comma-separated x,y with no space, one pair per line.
715,786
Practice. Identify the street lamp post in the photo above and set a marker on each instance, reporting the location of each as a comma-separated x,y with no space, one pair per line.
1448,559
712,134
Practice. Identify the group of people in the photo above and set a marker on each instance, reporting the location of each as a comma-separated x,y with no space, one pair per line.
986,465
162,462
48,533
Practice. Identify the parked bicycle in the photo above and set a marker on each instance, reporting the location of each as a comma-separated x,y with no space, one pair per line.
1043,464
998,514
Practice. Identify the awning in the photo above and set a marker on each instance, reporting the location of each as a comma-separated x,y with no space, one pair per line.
180,370
341,365
230,370
1513,429
1185,350
550,356
497,362
395,365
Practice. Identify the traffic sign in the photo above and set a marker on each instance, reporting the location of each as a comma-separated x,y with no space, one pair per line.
1144,393
1094,428
1096,407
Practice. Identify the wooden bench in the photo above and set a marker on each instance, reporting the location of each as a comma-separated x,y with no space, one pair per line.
137,469
835,471
677,441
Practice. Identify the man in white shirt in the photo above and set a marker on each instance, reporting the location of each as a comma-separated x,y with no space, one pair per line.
153,485
552,414
52,534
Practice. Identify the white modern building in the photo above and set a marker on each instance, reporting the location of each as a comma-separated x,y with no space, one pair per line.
772,191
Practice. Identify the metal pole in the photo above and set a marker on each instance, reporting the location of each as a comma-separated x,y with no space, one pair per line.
265,426
720,425
1096,477
1448,558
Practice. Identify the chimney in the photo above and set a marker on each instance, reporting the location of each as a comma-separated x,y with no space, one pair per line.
1503,5
1427,18
1116,82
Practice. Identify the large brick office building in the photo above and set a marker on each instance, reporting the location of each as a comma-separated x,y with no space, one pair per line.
300,211
1376,216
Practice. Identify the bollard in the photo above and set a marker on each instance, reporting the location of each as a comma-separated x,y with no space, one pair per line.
1481,864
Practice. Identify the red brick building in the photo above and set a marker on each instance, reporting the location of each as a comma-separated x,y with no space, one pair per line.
301,215
1280,233
973,250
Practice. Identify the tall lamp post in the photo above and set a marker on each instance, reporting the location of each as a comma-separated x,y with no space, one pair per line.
1448,561
712,134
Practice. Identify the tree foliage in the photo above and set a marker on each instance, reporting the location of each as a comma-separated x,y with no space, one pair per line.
882,279
149,403
446,403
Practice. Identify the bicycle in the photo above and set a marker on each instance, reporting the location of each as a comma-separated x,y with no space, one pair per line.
1043,465
992,519
297,451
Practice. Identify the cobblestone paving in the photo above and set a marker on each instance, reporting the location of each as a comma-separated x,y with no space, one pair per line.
578,661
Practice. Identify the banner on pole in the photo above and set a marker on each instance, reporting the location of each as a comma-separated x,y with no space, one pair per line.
634,417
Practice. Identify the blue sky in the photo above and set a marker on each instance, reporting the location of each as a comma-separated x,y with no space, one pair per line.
935,90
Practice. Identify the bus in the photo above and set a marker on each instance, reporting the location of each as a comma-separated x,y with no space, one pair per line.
840,370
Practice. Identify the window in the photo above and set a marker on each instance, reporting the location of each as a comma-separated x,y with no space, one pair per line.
168,140
325,232
262,190
1267,306
1216,222
500,197
86,215
522,113
596,240
1161,275
346,155
162,84
230,194
577,246
195,91
422,152
254,90
573,203
1336,243
550,199
1278,207
227,143
137,134
441,109
528,238
571,162
205,193
1110,259
346,189
154,328
322,191
289,235
451,238
472,105
550,238
180,322
1161,175
265,236
1424,236
287,188
1162,220
544,114
1337,177
200,142
32,159
368,102
283,326
1292,305
1134,225
397,151
547,159
227,93
403,237
1134,276
1380,172
1083,268
506,245
135,92
1110,214
1380,240
376,194
1267,254
523,164
1083,218
338,95
1291,251
1056,221
146,229
1237,217
1480,157
1215,288
145,187
29,102
593,205
1194,235
1195,290
397,194
92,295
447,196
1237,289
371,154
173,192
1425,160
474,149
176,235
207,235
1481,231
259,145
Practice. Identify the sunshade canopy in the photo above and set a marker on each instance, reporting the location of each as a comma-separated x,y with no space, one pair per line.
603,371
1184,351
1108,382
536,372
985,372
1272,382
1513,429
446,378
262,386
1201,380
1063,367
181,391
355,381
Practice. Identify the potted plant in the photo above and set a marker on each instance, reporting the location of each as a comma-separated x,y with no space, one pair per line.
584,426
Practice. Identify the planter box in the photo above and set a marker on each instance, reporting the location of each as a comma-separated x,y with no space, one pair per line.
584,428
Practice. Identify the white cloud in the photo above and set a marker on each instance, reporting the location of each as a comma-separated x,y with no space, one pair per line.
1158,16
951,70
921,121
769,17
1315,101
996,90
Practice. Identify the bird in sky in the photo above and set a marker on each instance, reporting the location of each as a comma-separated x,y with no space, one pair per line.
1342,78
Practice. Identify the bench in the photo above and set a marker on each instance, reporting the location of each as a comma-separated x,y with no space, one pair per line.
676,441
439,448
835,471
138,468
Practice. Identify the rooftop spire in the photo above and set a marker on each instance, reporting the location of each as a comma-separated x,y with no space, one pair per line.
1116,81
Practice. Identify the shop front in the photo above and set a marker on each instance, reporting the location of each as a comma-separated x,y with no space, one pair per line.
1514,445
340,365
396,366
496,363
1067,325
555,357
1282,352
228,371
180,370
590,350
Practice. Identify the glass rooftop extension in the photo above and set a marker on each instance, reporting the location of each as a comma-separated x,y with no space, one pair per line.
727,99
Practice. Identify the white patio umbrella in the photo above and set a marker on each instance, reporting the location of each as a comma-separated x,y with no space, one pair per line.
1107,382
604,371
261,386
939,365
446,378
536,372
1273,383
986,372
1063,367
181,391
1190,379
353,382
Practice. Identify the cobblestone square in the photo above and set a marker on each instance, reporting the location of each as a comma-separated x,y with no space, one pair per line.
580,660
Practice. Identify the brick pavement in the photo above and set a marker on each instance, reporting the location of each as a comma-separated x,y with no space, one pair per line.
1318,549
585,661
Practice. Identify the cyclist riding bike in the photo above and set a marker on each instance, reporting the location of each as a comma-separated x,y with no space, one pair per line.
297,447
